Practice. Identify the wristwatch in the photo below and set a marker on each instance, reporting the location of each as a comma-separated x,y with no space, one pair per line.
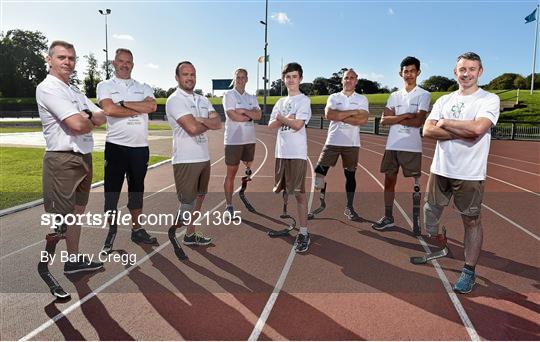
121,103
89,113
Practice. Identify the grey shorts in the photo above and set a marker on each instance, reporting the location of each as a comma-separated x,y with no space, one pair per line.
467,194
331,153
236,153
67,177
410,162
191,179
290,175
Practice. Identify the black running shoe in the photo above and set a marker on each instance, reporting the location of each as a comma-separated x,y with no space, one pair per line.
196,239
141,236
302,243
383,223
351,214
82,266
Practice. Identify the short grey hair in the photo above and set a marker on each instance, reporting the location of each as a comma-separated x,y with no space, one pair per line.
61,43
123,50
471,56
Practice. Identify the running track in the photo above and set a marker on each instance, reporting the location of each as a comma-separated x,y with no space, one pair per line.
354,283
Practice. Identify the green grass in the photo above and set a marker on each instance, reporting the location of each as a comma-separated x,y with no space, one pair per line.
20,173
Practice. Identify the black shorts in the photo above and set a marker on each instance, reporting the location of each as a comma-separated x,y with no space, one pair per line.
122,161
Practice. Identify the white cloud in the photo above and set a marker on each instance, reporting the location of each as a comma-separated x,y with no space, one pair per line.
391,11
123,36
152,66
371,76
281,17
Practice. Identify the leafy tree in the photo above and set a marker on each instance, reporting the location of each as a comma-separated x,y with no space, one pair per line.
334,82
159,92
367,87
92,78
74,79
198,91
438,83
104,69
170,91
278,88
520,82
504,81
536,81
320,86
307,88
22,66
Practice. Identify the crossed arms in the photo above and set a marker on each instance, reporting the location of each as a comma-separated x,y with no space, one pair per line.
290,121
447,129
352,117
389,117
148,105
243,115
197,125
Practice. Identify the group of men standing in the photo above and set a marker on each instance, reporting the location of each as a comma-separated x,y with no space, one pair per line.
460,122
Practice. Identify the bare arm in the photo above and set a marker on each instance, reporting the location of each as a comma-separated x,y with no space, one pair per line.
191,125
99,118
468,129
417,120
253,114
131,108
389,117
291,121
338,115
360,118
79,123
237,115
431,130
213,121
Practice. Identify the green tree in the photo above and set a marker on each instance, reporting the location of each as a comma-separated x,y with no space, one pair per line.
22,66
320,86
307,88
159,92
334,82
536,81
92,78
520,82
104,69
365,86
504,81
438,83
278,88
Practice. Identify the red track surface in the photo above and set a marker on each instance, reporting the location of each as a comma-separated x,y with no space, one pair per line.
354,283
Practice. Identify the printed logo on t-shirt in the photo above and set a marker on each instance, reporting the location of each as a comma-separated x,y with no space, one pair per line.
457,109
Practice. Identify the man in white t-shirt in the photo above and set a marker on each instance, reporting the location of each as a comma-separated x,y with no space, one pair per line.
127,103
68,118
241,109
190,116
461,123
346,110
290,115
405,113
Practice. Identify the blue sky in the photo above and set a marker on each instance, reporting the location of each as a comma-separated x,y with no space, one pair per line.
323,36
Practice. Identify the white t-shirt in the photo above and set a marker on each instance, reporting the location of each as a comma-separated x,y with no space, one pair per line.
129,131
239,133
187,148
341,133
57,101
292,144
460,158
405,138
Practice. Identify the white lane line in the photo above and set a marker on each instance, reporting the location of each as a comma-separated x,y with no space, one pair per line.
123,207
483,205
448,288
500,165
257,329
113,280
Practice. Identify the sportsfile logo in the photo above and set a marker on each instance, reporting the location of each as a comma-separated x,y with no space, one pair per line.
196,218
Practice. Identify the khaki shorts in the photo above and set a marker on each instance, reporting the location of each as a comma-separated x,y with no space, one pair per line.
410,162
290,175
349,156
67,177
191,179
467,194
236,153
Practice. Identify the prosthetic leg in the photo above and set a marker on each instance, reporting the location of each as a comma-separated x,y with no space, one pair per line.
43,266
111,235
242,195
172,236
322,206
416,207
441,238
284,215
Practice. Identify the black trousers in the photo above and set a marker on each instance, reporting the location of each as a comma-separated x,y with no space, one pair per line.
124,161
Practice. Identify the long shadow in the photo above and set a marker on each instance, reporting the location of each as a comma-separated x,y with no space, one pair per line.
413,288
96,313
203,317
302,322
487,259
509,326
64,325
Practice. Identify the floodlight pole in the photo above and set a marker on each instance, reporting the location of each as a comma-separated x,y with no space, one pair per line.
106,13
534,49
265,78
